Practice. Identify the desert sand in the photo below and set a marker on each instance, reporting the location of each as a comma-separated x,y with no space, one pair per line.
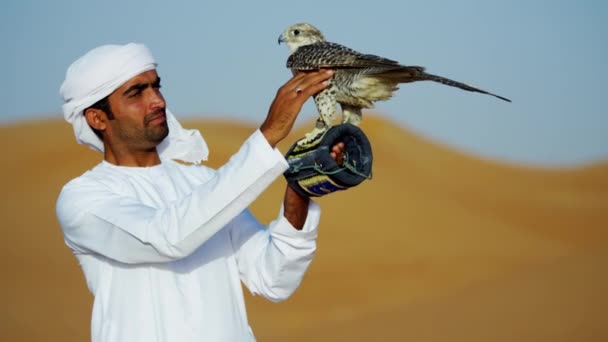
438,246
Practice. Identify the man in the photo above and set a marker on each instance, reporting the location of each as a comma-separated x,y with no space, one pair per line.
163,245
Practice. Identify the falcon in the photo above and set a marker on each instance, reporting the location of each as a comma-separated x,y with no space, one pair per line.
359,79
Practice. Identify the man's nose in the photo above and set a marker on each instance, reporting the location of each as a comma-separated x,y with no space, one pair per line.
157,99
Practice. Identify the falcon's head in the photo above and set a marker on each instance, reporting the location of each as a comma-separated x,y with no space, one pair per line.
299,35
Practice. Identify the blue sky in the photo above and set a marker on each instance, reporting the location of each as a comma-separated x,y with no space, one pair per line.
221,58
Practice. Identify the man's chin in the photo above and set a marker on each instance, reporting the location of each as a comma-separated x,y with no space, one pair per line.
158,134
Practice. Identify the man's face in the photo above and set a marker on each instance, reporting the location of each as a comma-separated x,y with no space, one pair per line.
139,113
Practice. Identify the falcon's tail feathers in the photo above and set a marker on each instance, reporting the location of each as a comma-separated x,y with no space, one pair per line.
428,77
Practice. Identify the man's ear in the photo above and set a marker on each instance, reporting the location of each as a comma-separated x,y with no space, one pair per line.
96,118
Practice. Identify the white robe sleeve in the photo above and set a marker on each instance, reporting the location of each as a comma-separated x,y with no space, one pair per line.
97,220
272,261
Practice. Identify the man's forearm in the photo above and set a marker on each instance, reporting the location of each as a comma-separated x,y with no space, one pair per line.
295,208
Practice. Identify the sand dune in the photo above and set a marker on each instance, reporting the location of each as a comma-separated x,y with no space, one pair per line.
439,246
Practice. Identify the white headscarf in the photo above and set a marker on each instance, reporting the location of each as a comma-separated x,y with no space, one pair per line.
101,71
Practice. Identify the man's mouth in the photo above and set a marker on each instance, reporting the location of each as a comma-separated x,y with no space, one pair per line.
156,117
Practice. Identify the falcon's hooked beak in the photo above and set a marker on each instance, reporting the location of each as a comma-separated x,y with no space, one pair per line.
281,39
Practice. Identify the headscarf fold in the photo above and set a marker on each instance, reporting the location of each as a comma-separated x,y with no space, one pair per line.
101,71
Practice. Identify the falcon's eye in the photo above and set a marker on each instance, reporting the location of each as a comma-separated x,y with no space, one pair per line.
296,32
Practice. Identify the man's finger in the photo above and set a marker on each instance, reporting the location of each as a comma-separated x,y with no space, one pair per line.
314,88
301,76
338,148
312,83
316,78
292,83
297,77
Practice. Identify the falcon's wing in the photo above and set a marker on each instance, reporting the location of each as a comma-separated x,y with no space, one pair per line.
332,55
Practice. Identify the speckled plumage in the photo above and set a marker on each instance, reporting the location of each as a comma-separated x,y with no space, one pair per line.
359,79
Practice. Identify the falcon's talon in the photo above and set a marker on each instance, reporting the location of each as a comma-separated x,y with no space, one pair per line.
312,135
